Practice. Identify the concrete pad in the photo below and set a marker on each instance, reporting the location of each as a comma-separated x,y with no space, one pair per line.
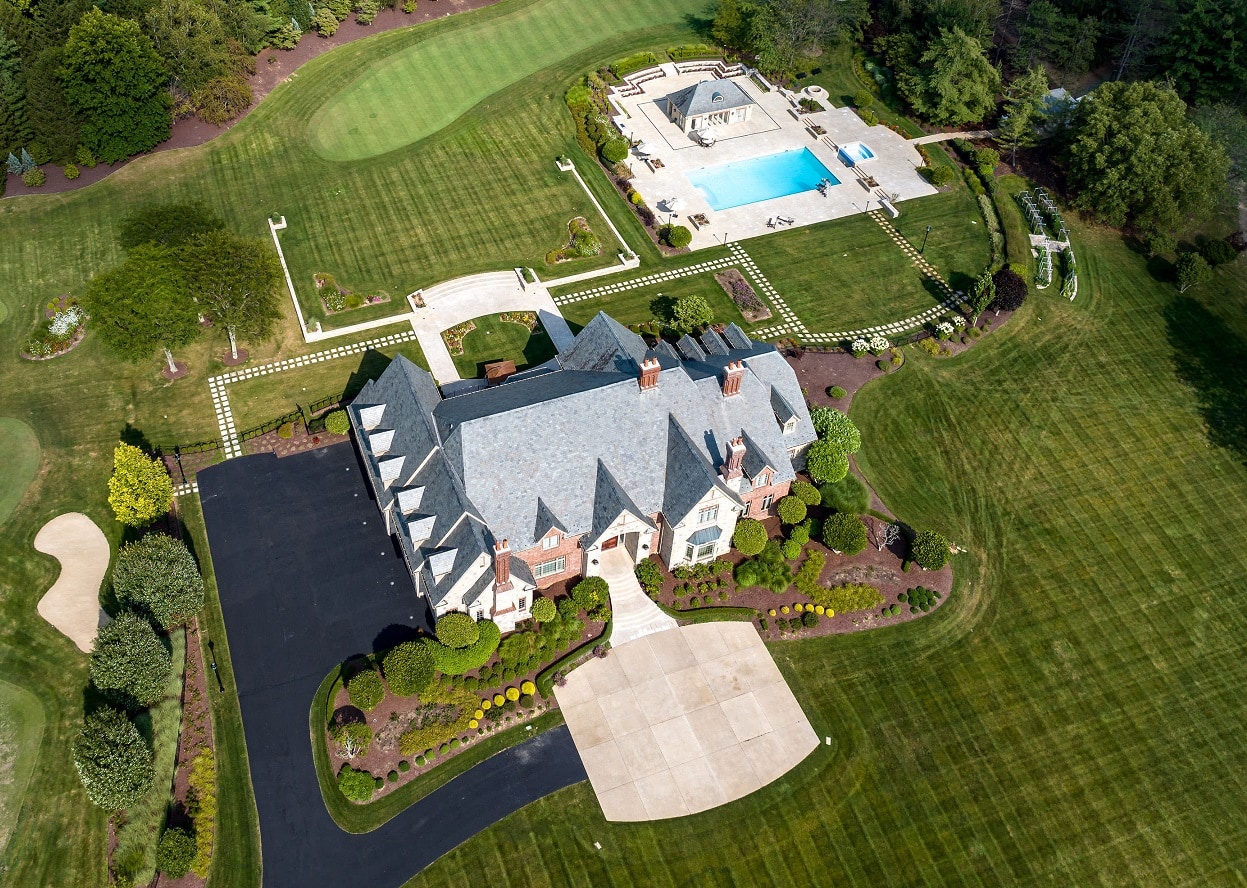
605,766
641,753
780,705
72,605
623,804
724,679
672,651
712,729
661,796
677,741
690,689
746,717
622,712
638,661
735,775
705,640
699,786
588,725
577,689
608,678
657,701
738,636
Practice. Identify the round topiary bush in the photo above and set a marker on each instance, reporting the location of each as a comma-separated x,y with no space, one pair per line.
420,761
457,630
544,610
826,462
285,430
791,549
365,690
455,743
404,766
809,619
408,668
806,492
128,663
1011,290
337,423
528,688
158,575
929,550
749,538
863,99
175,853
800,534
392,776
615,150
677,236
836,428
512,694
113,760
71,172
836,392
844,533
791,510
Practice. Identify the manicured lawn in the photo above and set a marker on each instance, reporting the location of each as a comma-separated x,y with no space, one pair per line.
21,729
21,457
1072,716
498,340
654,301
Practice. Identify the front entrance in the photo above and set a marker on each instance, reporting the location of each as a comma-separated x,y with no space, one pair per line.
611,543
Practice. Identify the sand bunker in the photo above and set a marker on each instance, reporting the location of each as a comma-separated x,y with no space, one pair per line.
72,605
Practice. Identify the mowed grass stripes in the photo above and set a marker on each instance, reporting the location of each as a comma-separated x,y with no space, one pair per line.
1074,716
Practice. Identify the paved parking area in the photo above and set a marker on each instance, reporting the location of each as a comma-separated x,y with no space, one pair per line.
684,720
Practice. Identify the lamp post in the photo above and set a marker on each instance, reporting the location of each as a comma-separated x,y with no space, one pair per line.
924,241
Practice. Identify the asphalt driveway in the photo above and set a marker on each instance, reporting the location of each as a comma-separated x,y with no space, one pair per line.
308,577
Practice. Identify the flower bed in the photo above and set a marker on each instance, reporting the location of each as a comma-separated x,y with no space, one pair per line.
523,318
581,243
454,336
748,301
65,328
336,299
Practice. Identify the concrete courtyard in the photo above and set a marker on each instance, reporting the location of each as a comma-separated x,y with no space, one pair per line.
683,720
773,128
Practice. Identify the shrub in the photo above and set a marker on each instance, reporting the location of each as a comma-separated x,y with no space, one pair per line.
863,99
454,743
457,630
140,489
405,766
35,178
825,462
942,176
358,786
512,694
615,150
677,236
337,423
800,534
791,510
129,664
408,668
807,576
285,430
749,537
836,392
457,661
791,549
844,533
366,11
636,199
544,610
849,598
202,807
649,575
836,428
1217,252
691,313
809,619
1010,290
807,493
365,690
392,776
71,172
85,157
591,594
849,494
578,96
158,575
175,852
409,6
768,570
870,118
929,550
112,760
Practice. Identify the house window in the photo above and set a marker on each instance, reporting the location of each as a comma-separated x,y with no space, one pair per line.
550,542
549,568
708,514
698,553
763,480
766,502
523,605
748,507
480,614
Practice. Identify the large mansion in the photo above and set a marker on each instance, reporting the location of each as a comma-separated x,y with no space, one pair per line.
499,492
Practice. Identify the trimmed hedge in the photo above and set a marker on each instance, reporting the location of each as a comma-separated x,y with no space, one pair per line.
635,62
710,614
456,661
457,630
545,678
408,668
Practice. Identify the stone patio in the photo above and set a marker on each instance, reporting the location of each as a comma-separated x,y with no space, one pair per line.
773,128
684,720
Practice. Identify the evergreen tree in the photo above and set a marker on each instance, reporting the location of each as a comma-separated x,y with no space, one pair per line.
14,122
954,82
1023,111
1206,55
57,127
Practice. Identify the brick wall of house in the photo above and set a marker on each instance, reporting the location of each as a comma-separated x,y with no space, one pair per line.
569,547
755,497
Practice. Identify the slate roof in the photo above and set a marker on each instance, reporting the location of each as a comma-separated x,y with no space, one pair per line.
708,96
575,447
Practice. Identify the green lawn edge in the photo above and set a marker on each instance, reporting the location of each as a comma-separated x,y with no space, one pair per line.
25,713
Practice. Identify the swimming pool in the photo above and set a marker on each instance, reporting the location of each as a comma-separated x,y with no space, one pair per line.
760,178
854,153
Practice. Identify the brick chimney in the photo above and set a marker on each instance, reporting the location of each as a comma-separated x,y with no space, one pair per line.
735,457
649,374
732,375
502,566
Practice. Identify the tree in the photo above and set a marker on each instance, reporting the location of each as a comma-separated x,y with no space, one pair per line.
1011,290
190,39
1023,111
236,280
158,575
140,489
1066,40
954,82
591,594
691,313
352,739
982,294
1134,158
615,150
888,535
677,236
54,122
836,428
732,23
175,853
365,690
806,492
167,224
128,663
15,129
749,537
113,760
544,610
408,668
1192,271
142,306
457,630
844,533
791,510
1227,125
929,550
780,31
826,462
1206,54
115,80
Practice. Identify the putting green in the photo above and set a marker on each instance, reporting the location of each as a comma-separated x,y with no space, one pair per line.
21,460
420,88
21,730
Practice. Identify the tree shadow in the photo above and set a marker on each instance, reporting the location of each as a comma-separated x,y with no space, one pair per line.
136,438
396,634
702,24
371,366
1211,358
347,715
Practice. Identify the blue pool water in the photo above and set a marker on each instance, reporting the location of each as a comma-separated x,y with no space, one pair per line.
760,178
854,153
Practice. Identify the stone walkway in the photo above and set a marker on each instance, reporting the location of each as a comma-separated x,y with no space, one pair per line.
681,721
633,613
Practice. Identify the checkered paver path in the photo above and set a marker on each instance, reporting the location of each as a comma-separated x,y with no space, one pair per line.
217,385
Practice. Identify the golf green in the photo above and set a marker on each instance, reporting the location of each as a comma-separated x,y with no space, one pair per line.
21,461
21,729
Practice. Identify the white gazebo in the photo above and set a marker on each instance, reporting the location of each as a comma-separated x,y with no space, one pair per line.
708,103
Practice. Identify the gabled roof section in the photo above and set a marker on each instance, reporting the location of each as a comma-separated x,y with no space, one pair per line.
690,348
736,337
783,410
713,343
690,476
546,521
605,346
756,459
610,501
708,96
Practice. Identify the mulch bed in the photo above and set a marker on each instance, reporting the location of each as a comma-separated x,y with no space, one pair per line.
299,442
192,131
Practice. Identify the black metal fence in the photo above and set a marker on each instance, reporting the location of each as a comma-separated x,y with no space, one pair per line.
271,425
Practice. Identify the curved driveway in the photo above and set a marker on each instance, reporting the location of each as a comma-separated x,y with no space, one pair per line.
308,577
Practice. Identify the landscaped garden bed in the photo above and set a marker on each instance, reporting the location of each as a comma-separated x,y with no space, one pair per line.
581,243
65,327
336,299
454,336
742,293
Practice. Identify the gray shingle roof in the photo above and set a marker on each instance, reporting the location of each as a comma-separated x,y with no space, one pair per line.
709,95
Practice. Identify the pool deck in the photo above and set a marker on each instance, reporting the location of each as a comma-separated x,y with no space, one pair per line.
773,128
